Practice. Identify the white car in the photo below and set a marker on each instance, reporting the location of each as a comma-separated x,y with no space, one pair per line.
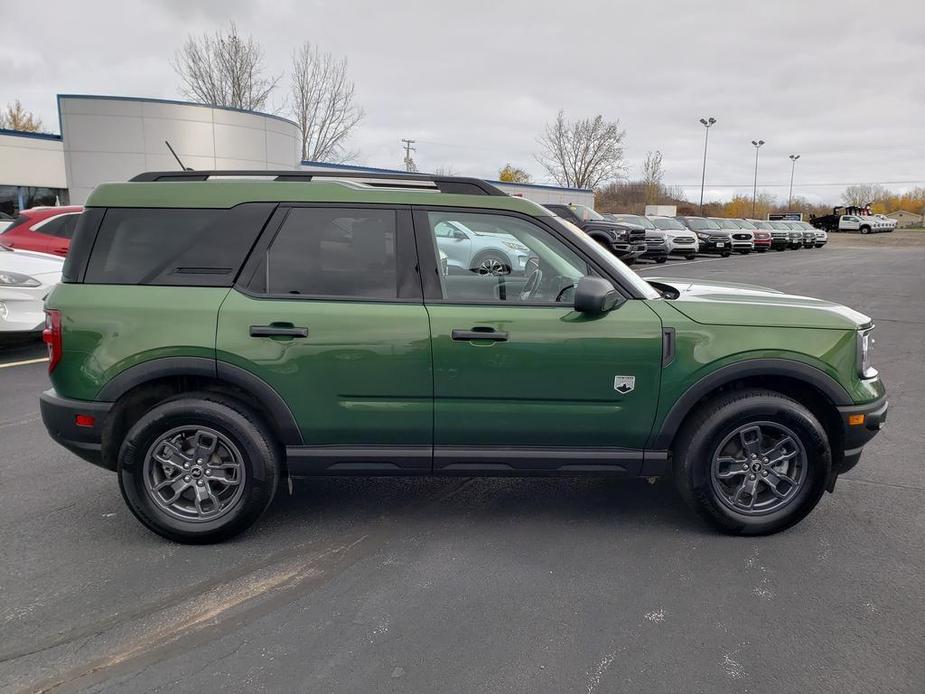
889,224
681,240
5,221
25,280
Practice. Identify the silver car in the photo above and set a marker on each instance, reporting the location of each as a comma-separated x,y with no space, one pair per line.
681,240
484,253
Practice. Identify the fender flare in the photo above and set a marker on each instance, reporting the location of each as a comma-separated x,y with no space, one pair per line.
812,376
265,396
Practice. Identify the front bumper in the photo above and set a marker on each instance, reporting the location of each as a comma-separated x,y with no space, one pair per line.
628,251
715,245
860,423
656,251
60,418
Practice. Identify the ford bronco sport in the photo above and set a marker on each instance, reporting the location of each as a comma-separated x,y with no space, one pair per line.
217,333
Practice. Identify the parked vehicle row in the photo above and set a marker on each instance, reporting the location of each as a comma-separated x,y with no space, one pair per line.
689,236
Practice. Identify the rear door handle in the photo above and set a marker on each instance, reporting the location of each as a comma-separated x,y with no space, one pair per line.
479,334
277,331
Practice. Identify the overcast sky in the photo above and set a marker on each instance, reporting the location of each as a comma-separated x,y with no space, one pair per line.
840,83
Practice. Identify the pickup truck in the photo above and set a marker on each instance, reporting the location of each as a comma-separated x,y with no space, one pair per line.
626,241
854,219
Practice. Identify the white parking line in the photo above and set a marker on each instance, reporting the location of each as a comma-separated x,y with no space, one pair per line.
23,363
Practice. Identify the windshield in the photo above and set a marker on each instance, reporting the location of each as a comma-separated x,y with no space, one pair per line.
745,224
585,213
780,226
636,219
608,260
701,224
727,224
762,225
668,224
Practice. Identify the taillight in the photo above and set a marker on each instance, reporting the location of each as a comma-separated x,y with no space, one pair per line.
51,336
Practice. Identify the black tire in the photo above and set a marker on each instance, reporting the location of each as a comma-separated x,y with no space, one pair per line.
661,260
779,250
762,250
865,229
250,439
700,441
690,257
725,254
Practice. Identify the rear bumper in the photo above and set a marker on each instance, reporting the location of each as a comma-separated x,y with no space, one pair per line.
860,423
60,418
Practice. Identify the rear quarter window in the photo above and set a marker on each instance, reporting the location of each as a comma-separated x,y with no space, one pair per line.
157,246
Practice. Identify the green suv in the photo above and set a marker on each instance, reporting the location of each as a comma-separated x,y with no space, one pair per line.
217,333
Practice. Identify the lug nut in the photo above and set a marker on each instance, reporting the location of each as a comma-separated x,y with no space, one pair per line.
186,466
186,478
745,466
199,483
754,455
751,477
199,460
764,473
208,472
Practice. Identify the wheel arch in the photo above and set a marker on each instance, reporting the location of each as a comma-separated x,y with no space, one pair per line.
144,385
806,384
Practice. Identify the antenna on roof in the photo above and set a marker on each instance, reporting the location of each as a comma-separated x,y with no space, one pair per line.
185,168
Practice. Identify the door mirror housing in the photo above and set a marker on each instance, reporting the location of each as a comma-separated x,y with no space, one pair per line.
595,295
459,236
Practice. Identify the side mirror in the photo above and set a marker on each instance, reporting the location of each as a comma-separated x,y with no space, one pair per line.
595,295
459,236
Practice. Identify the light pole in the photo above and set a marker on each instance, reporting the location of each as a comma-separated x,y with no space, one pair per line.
793,166
755,189
706,123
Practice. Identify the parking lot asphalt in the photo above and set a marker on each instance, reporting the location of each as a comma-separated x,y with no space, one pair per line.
485,585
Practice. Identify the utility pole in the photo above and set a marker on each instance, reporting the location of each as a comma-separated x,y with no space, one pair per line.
755,189
706,123
793,166
410,166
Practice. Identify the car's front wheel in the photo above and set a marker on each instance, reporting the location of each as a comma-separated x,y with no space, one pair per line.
198,468
752,462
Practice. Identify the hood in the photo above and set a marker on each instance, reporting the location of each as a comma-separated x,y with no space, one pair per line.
727,303
30,263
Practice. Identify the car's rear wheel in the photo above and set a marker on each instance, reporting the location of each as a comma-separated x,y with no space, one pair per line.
491,264
661,260
725,254
865,230
690,257
752,462
198,468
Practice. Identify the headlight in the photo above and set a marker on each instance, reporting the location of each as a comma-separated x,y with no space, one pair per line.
15,279
702,235
865,341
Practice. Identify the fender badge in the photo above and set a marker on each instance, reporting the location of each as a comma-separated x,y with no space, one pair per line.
624,384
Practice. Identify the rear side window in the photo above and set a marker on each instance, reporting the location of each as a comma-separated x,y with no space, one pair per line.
62,227
335,252
198,247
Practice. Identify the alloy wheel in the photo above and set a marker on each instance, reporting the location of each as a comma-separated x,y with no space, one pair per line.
194,473
759,468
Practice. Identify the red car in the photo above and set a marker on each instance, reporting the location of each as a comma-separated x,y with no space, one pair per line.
42,229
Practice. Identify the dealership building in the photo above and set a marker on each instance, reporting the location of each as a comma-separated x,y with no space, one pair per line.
109,138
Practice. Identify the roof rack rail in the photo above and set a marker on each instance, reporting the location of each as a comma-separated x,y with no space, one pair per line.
443,184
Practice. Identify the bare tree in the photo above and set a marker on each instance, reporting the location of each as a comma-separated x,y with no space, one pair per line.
224,69
863,194
15,117
323,104
582,154
446,170
652,175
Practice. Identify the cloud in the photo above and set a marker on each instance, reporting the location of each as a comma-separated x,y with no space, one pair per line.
474,83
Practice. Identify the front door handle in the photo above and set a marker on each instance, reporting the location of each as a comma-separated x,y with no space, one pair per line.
479,333
277,331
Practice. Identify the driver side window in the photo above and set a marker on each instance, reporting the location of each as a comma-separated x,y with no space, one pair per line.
502,259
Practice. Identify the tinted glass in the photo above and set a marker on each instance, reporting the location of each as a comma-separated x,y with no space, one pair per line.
61,227
668,224
504,260
335,252
745,224
700,224
726,224
636,219
198,247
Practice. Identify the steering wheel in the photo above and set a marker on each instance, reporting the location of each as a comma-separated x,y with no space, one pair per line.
531,285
